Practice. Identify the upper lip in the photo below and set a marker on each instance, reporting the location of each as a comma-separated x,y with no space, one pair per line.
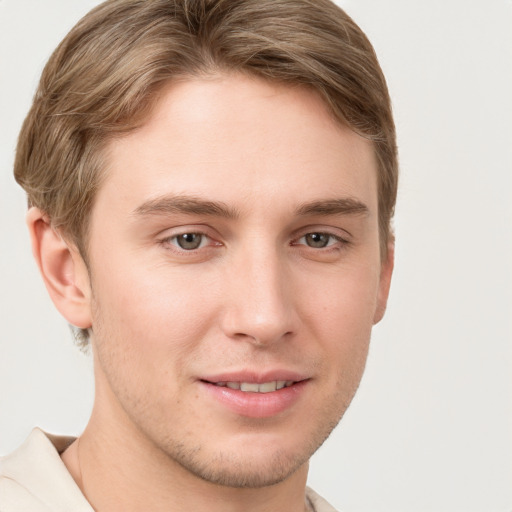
255,376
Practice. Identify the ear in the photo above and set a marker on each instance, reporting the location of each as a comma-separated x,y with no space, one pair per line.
386,271
62,268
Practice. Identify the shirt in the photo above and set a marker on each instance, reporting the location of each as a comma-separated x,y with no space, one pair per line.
34,478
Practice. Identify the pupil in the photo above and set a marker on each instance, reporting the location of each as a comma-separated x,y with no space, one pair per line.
317,240
189,241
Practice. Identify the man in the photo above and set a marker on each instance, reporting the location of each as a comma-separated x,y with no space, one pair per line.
211,186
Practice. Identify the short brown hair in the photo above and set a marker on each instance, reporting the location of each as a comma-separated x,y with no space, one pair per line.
101,79
106,74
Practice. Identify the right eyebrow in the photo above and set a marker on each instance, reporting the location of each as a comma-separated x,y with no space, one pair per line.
341,206
190,205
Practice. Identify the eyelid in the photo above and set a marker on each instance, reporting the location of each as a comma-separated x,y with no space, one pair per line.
338,240
167,237
174,240
336,232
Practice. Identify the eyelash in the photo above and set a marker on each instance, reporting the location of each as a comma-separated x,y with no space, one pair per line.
334,242
173,240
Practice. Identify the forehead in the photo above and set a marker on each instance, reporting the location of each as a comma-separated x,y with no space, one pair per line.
243,140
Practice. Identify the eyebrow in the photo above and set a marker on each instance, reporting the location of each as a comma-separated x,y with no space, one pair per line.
343,206
167,205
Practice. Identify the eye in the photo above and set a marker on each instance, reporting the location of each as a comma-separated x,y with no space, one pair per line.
189,241
318,240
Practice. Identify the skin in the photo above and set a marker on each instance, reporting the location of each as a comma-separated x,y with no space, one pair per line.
259,294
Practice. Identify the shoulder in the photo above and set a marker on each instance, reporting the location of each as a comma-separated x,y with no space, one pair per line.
34,478
318,503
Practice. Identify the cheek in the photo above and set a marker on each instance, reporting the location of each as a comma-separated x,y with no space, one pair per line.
340,315
154,304
146,324
342,301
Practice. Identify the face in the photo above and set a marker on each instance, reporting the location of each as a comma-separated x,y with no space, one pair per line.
235,277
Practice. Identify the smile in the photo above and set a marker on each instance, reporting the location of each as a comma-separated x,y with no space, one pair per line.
254,387
256,397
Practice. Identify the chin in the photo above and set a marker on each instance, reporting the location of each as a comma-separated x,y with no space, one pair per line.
250,461
229,470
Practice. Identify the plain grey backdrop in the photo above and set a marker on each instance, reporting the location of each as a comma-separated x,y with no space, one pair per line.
431,427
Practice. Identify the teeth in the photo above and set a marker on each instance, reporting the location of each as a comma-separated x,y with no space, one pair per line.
249,386
268,387
253,387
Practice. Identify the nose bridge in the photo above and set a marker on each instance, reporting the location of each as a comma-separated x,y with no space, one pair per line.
259,306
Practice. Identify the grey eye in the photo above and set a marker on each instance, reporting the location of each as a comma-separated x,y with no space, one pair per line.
317,240
189,241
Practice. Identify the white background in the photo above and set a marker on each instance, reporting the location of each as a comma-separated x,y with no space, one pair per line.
431,426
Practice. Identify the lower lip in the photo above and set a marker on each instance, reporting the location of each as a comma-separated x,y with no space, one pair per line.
257,405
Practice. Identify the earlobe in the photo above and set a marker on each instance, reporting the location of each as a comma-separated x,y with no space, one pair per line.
62,268
386,272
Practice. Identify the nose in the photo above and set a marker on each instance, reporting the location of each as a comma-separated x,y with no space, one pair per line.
259,305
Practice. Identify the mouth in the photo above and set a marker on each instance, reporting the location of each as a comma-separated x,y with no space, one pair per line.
254,387
256,396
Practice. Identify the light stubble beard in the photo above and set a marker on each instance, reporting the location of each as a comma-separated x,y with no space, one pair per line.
233,471
223,468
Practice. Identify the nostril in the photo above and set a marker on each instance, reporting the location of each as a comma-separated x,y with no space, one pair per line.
259,319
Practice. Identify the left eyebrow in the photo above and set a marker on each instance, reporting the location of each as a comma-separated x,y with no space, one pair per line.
344,206
188,205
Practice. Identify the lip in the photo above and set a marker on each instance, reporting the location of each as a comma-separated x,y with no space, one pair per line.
255,377
256,405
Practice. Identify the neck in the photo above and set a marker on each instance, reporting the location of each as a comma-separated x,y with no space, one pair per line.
118,469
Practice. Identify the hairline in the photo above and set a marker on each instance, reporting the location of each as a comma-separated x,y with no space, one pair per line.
211,70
